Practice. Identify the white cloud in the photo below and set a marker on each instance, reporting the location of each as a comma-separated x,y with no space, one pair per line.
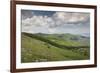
51,30
69,17
26,14
63,20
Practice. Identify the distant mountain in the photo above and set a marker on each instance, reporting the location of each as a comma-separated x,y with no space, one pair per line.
86,34
64,38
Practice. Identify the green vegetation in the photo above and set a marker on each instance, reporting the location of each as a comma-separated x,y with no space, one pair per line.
53,47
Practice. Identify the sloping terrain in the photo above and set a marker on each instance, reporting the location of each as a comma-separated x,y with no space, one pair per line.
53,47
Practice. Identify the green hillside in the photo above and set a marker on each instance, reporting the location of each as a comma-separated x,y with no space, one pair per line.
53,47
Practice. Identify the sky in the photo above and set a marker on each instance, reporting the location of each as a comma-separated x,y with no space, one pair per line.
55,22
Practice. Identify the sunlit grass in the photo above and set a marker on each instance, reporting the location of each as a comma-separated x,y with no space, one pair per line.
34,50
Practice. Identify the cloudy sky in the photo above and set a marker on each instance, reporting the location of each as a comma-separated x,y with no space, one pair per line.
51,22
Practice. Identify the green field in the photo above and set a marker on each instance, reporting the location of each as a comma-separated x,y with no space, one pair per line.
54,47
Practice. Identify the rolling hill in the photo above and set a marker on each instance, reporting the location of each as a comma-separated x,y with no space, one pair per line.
53,47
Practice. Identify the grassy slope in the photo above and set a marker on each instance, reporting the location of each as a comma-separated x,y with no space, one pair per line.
65,39
35,50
